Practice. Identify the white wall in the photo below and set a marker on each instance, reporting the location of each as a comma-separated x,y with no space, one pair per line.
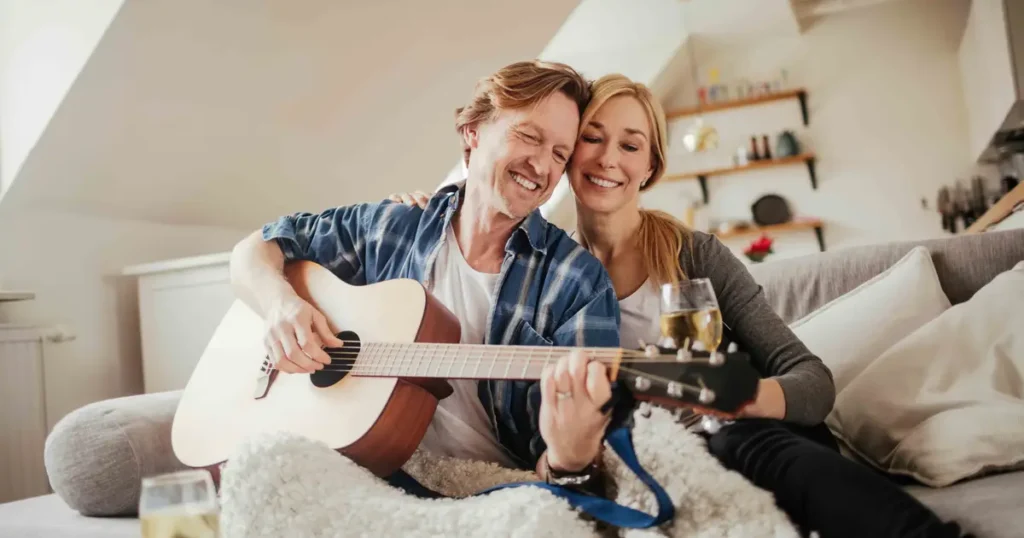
73,264
887,121
646,40
986,72
43,46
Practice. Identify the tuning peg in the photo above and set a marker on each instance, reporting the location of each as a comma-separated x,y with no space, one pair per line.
644,409
706,396
716,359
642,383
733,348
675,390
699,346
683,355
651,351
710,424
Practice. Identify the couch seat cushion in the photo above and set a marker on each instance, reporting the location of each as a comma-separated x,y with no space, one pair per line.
49,517
988,507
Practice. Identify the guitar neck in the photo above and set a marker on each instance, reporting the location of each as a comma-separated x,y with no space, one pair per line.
464,361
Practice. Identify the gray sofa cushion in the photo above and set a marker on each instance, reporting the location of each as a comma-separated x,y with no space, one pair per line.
988,507
795,287
97,455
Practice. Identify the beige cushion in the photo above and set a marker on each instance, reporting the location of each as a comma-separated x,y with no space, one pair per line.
852,330
946,402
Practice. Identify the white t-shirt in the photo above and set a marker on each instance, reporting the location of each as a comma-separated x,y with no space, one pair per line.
640,313
460,427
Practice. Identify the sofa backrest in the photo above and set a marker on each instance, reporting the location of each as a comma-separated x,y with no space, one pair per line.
796,287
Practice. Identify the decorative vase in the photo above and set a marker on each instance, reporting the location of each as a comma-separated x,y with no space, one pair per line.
787,145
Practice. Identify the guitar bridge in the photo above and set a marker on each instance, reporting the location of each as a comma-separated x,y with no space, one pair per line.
265,379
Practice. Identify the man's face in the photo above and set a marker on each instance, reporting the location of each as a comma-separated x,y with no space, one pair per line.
519,156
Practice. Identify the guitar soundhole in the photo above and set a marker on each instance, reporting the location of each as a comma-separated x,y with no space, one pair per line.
342,360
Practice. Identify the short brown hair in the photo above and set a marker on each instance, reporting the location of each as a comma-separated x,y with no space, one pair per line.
519,85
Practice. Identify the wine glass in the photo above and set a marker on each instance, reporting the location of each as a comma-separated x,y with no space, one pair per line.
179,505
690,317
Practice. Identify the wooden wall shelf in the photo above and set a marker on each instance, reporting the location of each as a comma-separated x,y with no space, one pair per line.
11,296
799,93
703,175
793,225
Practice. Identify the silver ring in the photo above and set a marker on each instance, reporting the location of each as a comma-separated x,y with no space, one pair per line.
563,395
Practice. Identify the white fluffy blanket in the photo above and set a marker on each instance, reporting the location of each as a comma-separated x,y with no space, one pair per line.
283,485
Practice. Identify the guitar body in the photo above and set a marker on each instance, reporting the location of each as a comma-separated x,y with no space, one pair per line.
376,421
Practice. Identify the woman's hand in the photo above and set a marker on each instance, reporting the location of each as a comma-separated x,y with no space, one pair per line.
571,422
769,403
418,198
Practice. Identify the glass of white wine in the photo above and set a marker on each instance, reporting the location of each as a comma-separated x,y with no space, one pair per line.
690,319
690,316
179,505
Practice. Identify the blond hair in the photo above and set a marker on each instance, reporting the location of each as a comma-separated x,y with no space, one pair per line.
661,236
519,85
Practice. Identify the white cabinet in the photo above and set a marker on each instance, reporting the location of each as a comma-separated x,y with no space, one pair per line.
181,302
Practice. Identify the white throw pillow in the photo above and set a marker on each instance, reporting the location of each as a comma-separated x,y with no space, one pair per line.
854,329
947,402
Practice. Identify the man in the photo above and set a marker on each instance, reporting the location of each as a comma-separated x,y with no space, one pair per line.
486,253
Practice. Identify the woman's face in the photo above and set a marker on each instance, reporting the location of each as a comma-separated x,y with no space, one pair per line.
612,157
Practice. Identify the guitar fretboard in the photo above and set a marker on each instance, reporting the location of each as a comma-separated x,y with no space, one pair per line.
464,361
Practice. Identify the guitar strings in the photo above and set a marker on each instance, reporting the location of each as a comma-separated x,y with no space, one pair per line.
498,361
499,358
360,366
427,346
686,386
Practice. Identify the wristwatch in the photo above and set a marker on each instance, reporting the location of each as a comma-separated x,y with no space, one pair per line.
569,478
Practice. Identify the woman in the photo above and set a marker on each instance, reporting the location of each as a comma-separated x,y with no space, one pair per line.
780,442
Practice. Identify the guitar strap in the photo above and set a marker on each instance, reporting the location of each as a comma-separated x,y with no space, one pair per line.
606,510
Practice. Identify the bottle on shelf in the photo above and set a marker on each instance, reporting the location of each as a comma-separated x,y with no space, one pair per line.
767,153
754,155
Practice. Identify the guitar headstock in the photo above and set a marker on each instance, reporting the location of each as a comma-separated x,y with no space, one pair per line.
716,383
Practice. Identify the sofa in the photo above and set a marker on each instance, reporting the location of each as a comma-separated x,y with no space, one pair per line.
130,437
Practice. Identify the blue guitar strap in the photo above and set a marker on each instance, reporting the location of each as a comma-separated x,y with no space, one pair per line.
606,510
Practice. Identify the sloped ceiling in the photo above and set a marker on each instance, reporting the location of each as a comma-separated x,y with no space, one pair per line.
230,113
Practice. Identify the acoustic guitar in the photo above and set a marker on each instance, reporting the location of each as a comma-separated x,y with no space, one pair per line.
373,403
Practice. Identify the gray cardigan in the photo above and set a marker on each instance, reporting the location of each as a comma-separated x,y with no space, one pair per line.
775,350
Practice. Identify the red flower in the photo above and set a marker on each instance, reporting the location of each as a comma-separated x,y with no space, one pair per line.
762,244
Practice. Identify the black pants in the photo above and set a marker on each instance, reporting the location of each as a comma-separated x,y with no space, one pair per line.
817,487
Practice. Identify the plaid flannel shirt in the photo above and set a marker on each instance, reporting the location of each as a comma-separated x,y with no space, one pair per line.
550,290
